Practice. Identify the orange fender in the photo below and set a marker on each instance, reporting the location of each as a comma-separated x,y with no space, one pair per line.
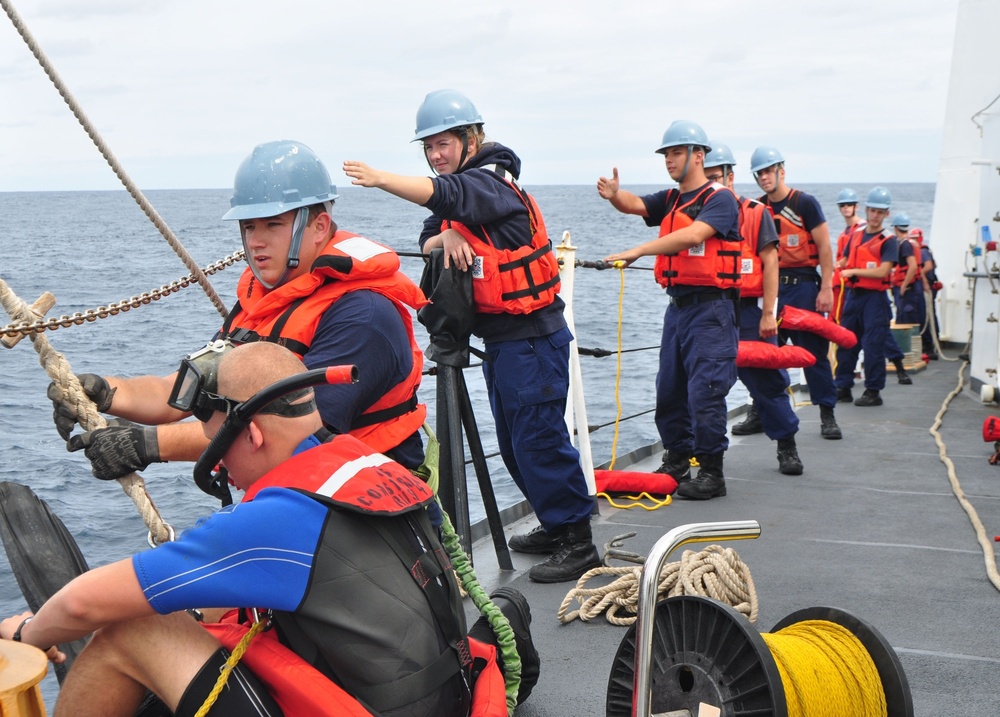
802,320
760,354
634,482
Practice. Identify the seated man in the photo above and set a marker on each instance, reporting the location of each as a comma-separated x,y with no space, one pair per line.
330,544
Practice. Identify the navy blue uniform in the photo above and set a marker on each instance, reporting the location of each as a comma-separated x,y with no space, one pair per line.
910,307
867,313
698,345
527,374
799,287
767,387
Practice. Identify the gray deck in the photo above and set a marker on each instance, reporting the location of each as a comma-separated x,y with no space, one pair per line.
872,527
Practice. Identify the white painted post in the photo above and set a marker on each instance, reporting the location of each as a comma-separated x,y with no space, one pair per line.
575,405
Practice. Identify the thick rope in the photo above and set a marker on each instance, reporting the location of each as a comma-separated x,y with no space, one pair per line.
231,662
466,574
119,171
826,671
714,572
989,556
73,396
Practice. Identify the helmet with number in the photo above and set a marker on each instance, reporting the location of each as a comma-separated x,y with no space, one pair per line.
720,156
443,110
847,196
764,157
878,198
683,133
278,177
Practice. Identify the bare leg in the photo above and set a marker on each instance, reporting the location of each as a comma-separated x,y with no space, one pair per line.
162,653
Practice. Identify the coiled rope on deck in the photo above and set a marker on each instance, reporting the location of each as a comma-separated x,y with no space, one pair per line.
714,572
826,671
109,156
73,396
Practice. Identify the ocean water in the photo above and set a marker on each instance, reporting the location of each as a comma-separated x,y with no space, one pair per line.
94,248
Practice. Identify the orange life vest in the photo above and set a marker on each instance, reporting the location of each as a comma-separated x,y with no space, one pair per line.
714,262
866,256
796,246
899,273
506,281
752,213
289,315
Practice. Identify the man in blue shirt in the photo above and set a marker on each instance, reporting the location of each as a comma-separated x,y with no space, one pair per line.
698,263
865,264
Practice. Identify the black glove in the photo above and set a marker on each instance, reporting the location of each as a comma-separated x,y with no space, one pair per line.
118,449
94,386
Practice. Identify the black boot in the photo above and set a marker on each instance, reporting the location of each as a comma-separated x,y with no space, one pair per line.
709,483
844,395
515,608
901,375
575,555
788,457
537,542
749,425
676,465
870,397
828,427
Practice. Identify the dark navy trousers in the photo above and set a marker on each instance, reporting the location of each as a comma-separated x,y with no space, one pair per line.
528,381
819,376
866,313
768,387
697,369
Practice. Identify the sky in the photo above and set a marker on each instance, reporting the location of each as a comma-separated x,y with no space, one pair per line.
181,91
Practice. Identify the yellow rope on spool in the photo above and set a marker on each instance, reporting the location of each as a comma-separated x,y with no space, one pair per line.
714,572
826,671
234,659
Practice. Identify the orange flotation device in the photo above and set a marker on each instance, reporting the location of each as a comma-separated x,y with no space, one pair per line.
760,354
801,320
634,482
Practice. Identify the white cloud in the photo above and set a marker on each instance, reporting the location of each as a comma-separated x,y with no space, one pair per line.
181,91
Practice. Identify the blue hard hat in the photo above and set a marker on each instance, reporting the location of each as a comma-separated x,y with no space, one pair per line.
682,133
278,177
847,196
901,220
764,157
443,110
878,198
720,156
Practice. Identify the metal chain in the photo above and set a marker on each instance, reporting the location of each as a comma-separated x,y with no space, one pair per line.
103,312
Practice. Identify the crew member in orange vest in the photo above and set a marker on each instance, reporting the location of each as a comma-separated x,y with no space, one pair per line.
487,224
804,248
865,265
847,205
772,406
330,296
698,256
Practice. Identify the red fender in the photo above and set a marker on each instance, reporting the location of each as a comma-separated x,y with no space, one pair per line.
802,320
991,429
634,482
760,354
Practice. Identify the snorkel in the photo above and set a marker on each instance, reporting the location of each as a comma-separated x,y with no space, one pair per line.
276,399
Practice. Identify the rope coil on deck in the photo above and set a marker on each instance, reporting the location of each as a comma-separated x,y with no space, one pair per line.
74,397
714,572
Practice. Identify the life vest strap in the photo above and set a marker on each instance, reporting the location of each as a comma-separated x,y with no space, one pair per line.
385,414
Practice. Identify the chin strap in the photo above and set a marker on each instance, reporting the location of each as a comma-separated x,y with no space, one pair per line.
298,229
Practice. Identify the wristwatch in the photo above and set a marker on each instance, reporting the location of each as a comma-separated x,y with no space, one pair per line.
16,637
